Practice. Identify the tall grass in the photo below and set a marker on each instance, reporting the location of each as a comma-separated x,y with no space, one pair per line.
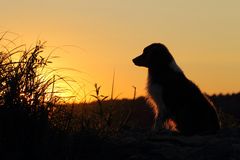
26,98
29,103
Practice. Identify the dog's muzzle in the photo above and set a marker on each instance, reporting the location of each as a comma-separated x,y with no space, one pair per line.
140,61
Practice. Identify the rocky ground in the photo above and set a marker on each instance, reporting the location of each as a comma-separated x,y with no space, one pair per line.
224,145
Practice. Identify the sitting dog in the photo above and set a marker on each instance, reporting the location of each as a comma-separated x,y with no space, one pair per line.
174,96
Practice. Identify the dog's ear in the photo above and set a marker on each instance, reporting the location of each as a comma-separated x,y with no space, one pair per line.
141,60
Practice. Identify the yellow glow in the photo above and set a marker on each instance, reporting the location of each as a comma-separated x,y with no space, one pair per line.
203,36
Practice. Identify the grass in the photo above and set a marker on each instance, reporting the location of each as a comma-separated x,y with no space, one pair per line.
34,124
25,100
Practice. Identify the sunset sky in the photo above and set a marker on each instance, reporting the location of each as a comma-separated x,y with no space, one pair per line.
97,37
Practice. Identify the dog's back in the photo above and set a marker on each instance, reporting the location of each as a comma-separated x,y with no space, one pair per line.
175,96
192,111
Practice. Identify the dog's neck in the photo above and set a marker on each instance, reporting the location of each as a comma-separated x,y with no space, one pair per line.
164,74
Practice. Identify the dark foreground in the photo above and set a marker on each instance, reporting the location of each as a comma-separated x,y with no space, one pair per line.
84,134
134,145
223,145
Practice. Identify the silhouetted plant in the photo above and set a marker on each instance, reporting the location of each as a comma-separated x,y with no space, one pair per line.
26,98
22,86
104,117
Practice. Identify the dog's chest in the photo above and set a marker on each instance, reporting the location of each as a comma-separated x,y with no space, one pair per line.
155,92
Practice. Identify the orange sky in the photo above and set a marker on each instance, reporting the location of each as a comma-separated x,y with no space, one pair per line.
203,37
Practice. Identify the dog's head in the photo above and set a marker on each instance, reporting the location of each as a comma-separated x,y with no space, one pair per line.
156,55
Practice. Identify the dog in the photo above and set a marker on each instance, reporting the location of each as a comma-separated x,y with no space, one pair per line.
174,97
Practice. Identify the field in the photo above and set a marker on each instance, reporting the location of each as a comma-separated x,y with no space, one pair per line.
36,124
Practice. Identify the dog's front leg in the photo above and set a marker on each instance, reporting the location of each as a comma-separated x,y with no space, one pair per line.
159,122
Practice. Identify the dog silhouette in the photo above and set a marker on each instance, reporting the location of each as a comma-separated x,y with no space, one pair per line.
174,96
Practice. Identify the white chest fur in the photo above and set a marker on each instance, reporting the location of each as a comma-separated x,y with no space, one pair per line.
155,93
